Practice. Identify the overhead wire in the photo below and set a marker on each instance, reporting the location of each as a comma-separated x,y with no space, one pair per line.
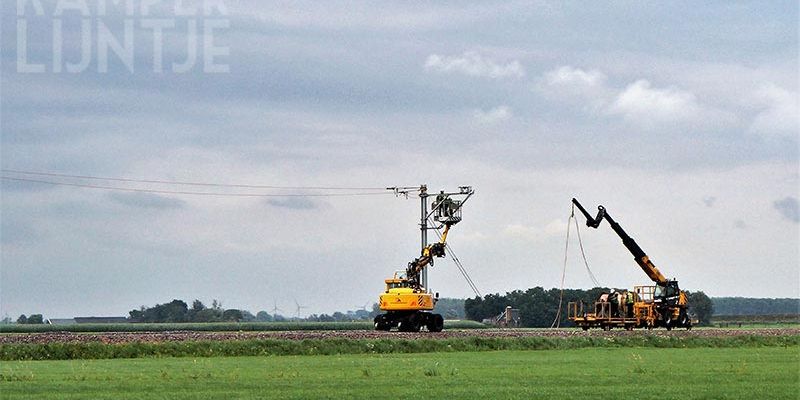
194,193
458,263
186,183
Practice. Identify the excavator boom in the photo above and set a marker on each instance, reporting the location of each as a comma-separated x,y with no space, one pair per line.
638,254
428,253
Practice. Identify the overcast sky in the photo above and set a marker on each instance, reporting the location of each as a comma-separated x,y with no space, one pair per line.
680,118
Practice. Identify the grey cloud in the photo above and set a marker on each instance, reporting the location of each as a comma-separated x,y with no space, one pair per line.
10,185
304,76
788,208
294,203
709,201
739,224
13,231
147,200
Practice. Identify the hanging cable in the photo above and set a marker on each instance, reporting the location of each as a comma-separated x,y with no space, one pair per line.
192,193
557,321
184,183
457,262
583,254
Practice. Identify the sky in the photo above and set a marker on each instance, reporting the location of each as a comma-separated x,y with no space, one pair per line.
680,118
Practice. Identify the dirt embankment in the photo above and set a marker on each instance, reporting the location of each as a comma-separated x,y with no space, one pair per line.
155,337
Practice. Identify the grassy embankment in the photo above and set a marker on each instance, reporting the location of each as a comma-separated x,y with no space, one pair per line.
650,373
338,346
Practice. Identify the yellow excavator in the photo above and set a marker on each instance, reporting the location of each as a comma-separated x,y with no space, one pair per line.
407,303
664,304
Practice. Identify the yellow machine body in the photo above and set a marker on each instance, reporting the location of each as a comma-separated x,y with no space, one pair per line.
398,296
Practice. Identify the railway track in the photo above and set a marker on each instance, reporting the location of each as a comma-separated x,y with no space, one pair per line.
183,336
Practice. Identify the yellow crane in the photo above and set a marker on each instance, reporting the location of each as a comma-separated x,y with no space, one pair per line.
406,301
664,304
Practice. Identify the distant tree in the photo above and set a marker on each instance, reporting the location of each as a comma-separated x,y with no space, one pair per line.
247,316
36,319
489,306
137,315
279,318
755,306
701,306
22,319
376,309
232,315
216,304
207,315
263,316
174,311
310,318
198,305
6,320
450,308
338,316
325,318
538,307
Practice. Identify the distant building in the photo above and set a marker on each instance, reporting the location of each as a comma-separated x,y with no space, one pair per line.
60,321
101,320
509,318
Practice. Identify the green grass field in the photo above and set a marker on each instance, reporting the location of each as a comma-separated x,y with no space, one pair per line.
641,373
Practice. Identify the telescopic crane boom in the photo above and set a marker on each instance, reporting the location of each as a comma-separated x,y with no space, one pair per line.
638,254
668,301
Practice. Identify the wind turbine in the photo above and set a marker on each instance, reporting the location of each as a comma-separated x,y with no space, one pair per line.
275,308
299,307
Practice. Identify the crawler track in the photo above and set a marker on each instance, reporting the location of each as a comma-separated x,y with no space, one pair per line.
182,336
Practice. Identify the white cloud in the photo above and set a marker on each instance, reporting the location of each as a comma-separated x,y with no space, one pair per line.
642,102
571,76
638,102
473,64
781,112
497,114
575,85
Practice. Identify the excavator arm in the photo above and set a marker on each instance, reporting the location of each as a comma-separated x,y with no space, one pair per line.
638,254
416,267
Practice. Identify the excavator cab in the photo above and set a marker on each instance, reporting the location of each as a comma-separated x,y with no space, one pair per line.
668,292
398,283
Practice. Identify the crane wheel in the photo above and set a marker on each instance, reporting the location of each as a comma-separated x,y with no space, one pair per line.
409,324
435,323
684,321
382,323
